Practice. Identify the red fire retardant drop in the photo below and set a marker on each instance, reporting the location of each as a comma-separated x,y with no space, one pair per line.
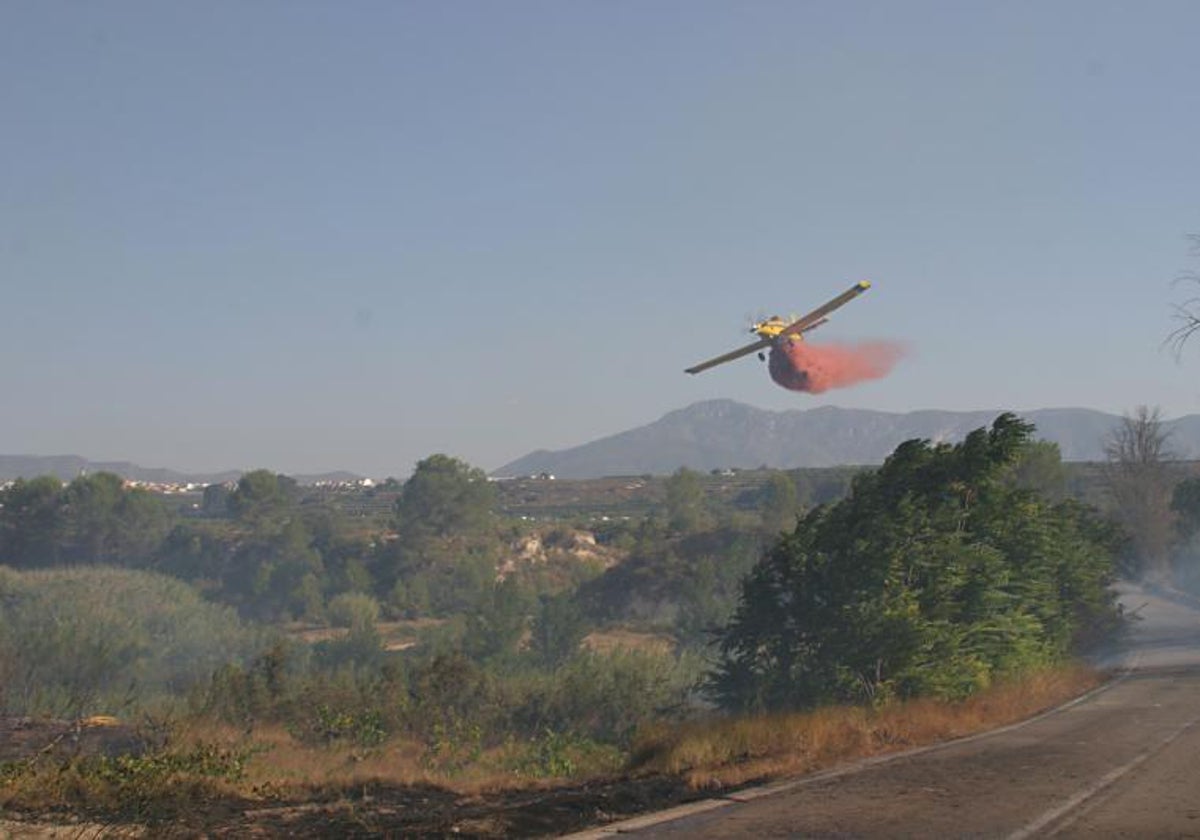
815,368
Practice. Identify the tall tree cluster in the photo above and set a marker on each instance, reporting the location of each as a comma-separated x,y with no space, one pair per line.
93,520
933,576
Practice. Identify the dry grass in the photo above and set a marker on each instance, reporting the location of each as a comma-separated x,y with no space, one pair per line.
715,753
283,765
395,635
274,766
723,752
281,762
617,639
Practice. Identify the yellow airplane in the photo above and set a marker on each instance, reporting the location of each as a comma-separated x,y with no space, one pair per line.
775,330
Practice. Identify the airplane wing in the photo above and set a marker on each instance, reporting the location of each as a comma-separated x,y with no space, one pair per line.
810,321
812,318
730,356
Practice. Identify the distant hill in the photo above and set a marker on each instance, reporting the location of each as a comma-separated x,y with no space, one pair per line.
721,434
67,467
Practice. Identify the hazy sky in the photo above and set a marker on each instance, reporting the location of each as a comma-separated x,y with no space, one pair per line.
310,236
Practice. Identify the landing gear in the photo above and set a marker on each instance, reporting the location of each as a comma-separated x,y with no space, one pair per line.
762,357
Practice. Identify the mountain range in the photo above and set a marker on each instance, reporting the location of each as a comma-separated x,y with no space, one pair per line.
719,434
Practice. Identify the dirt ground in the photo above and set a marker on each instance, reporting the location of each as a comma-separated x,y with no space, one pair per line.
409,811
23,738
435,812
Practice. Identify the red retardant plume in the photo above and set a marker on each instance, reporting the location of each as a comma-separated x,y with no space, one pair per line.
800,366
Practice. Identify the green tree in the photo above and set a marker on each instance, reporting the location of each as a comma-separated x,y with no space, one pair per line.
91,506
931,577
1040,469
780,505
195,553
31,522
104,522
701,609
1185,504
261,495
216,500
353,609
559,627
277,574
444,558
410,596
496,625
444,497
685,501
345,552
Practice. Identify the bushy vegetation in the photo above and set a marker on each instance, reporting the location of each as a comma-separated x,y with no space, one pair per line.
77,641
932,577
1185,505
687,585
448,698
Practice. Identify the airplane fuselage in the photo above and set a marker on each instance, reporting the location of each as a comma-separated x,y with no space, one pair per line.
770,328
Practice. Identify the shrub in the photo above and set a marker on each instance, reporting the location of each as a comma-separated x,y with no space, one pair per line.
87,640
353,609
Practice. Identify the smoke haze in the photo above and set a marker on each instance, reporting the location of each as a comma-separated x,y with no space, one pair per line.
815,368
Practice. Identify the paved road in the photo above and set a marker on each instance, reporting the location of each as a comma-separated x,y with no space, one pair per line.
1125,761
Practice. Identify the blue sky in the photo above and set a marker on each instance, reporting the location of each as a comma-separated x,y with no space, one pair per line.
311,236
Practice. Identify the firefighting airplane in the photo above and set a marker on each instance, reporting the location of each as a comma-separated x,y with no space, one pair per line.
775,330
